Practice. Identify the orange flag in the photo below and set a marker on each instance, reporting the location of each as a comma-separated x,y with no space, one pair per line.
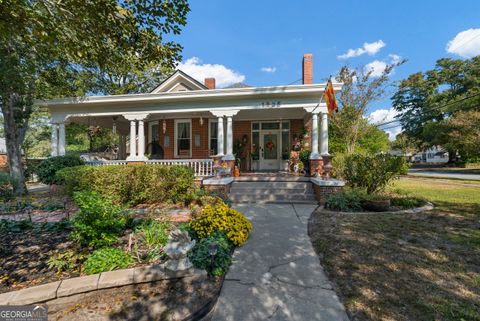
329,97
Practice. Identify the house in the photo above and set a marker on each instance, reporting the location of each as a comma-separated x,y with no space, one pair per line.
434,155
189,122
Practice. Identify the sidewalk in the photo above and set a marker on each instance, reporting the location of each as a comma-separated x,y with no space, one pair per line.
276,275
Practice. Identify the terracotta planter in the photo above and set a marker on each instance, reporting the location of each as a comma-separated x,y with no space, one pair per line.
377,205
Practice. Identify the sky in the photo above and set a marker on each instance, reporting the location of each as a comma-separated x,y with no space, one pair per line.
262,42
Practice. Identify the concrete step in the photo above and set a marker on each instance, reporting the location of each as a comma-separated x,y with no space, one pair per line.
268,191
274,185
271,197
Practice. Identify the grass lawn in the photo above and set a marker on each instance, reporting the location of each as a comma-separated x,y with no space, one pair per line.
423,266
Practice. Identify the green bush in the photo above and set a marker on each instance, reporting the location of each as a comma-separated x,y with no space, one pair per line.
98,222
7,187
132,184
154,233
349,200
65,261
407,201
47,169
373,172
217,265
107,259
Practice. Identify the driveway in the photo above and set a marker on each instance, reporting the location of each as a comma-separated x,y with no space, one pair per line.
276,275
455,174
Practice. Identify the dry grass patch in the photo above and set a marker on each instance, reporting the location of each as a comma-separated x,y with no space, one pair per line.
423,266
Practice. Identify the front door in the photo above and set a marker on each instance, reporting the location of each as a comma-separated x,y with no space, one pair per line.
270,151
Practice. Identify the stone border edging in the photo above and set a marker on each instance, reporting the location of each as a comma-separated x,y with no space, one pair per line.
78,285
427,207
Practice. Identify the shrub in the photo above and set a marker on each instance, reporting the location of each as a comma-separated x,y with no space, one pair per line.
107,259
132,184
347,201
98,221
7,187
373,172
154,233
407,201
222,218
65,261
218,264
47,169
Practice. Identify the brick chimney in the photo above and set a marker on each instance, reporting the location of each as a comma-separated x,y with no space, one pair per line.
210,83
307,69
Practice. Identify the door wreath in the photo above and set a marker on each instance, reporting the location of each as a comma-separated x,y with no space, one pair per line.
270,145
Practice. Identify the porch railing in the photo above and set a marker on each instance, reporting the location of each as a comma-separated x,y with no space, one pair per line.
201,167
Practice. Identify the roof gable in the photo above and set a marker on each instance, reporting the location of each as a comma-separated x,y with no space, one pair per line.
178,81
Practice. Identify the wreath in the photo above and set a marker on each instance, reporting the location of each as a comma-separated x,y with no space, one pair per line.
269,145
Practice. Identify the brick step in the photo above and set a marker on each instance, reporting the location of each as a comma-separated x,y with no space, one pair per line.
274,191
272,179
272,185
270,198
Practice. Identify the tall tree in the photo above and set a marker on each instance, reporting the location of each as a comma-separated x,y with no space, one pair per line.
430,103
360,88
52,48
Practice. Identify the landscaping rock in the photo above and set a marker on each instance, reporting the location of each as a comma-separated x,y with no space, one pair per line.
115,278
40,293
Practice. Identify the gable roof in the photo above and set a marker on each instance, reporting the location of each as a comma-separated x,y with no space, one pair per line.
178,78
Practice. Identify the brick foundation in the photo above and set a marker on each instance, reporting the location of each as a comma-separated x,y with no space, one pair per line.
316,166
223,190
323,192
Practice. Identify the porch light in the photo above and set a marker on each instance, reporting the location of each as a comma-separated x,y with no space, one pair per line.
114,127
164,126
201,121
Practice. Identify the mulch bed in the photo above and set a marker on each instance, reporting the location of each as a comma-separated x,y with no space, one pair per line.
174,299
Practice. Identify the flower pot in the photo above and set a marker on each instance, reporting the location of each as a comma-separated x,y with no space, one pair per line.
377,205
236,172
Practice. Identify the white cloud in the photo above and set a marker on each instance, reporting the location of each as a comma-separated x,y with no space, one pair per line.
223,75
380,116
269,70
395,59
466,44
376,67
368,48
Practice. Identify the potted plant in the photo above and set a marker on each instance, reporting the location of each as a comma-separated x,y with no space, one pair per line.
304,157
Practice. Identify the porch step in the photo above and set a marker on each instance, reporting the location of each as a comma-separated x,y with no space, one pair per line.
272,179
298,192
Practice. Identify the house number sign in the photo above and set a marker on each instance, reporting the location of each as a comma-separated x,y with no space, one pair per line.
270,104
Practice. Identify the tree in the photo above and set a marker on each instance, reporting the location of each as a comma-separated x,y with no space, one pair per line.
348,127
69,48
431,104
462,132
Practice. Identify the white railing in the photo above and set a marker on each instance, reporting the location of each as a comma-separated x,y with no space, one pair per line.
105,162
201,167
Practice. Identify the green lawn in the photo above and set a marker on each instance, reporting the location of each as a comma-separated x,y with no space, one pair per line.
423,266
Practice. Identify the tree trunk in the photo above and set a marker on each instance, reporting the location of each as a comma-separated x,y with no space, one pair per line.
14,135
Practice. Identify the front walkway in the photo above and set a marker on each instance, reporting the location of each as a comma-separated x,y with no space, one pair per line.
276,275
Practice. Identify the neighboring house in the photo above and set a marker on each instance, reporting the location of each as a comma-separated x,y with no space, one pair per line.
433,155
185,120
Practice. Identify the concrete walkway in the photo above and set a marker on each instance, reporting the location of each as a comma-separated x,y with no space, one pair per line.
276,275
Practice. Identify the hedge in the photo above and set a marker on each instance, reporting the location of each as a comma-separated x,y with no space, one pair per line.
131,184
47,170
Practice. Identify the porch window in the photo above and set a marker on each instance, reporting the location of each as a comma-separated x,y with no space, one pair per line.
183,138
212,137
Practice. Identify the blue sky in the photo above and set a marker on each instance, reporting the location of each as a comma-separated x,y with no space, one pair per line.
234,40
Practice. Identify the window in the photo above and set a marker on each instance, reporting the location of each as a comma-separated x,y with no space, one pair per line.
213,136
183,138
153,134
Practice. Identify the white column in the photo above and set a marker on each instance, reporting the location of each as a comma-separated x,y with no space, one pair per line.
314,154
324,135
141,140
61,139
133,140
220,142
229,155
54,140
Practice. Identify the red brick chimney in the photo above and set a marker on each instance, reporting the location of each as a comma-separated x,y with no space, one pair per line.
307,69
210,83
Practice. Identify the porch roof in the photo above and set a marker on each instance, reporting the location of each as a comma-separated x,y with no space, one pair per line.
256,98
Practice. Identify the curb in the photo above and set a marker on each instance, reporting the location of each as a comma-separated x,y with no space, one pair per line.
427,207
83,284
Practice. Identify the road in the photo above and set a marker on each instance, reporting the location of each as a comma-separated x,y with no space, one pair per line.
447,173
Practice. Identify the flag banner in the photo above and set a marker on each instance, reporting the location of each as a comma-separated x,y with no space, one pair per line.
330,97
